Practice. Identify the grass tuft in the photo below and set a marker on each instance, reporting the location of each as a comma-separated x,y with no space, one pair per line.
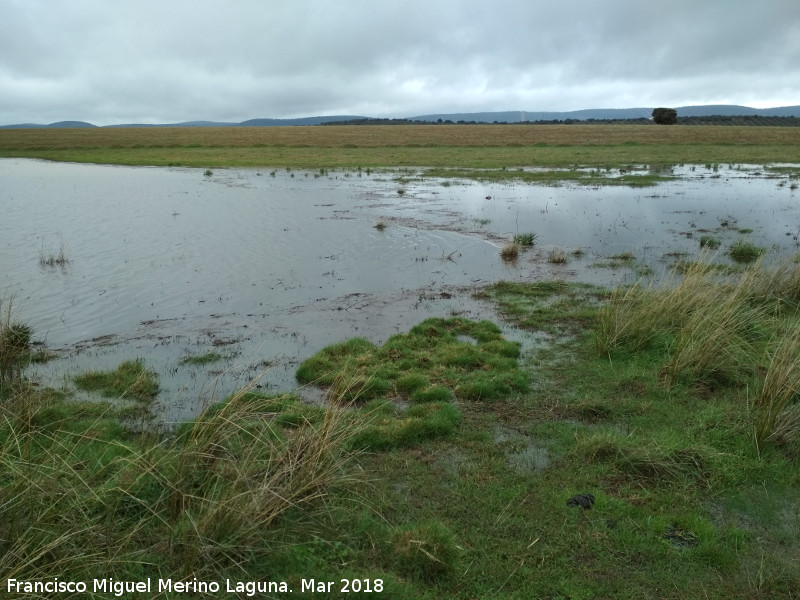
525,239
709,241
557,257
467,358
510,252
743,251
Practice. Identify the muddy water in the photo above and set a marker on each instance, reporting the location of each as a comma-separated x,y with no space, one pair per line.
265,268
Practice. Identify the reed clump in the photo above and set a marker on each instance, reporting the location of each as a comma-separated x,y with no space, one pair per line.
54,259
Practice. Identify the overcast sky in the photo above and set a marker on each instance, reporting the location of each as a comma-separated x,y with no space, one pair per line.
157,61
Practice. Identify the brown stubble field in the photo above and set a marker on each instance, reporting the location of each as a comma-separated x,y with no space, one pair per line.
480,146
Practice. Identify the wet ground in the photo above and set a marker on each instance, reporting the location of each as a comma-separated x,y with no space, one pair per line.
267,267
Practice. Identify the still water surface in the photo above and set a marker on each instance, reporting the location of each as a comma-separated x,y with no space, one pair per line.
267,267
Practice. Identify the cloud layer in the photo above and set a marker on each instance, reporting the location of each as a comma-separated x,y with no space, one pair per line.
176,60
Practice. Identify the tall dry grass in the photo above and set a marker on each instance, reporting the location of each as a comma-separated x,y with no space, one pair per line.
777,412
713,329
236,472
80,498
636,315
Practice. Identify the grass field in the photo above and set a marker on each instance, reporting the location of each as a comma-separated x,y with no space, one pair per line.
475,146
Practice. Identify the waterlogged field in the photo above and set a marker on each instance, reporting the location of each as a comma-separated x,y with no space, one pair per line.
216,278
483,426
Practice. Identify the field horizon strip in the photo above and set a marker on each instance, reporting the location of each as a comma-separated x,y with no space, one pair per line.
345,146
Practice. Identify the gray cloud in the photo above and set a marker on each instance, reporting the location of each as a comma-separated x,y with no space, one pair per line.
163,61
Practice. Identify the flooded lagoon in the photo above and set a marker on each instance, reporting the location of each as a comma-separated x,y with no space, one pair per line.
266,267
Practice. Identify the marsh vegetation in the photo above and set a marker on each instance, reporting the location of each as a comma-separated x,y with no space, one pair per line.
53,259
675,406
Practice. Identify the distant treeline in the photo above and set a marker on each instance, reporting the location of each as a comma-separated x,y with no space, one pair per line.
748,120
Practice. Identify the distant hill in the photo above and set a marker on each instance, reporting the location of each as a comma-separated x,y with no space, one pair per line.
59,125
250,122
594,114
525,116
608,114
303,121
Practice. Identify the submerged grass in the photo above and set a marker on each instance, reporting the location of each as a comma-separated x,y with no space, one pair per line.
202,359
550,177
131,380
53,259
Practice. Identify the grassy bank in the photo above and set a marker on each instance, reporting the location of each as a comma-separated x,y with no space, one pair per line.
470,146
448,462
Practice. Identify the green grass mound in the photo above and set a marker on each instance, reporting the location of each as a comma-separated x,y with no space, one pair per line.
472,359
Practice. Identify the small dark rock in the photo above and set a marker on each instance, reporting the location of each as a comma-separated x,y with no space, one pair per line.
585,501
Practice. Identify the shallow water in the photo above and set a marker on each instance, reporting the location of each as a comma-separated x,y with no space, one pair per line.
268,267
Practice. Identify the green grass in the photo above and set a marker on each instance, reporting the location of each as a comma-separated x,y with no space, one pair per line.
130,380
744,251
16,349
85,499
